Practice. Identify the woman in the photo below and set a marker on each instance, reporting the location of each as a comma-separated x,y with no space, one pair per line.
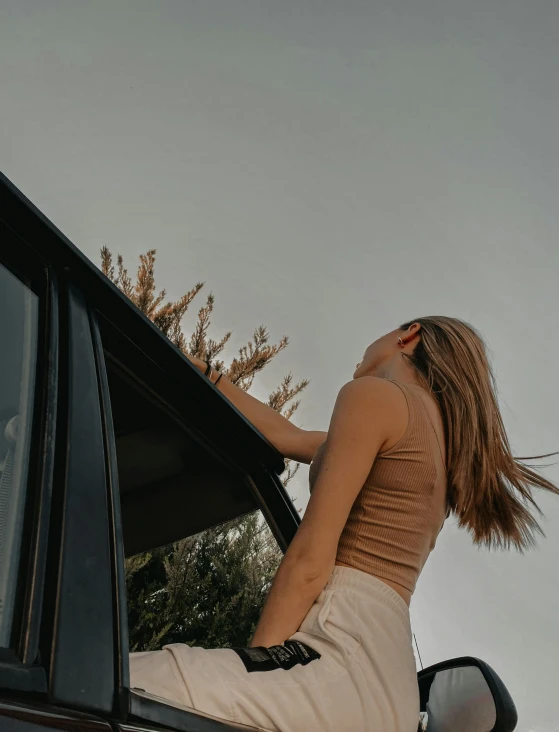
415,436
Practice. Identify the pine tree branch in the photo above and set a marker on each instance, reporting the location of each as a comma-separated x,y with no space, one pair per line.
123,281
107,266
284,393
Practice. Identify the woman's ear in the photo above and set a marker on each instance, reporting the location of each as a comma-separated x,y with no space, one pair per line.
413,330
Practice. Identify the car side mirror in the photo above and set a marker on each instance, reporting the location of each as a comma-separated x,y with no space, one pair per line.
464,695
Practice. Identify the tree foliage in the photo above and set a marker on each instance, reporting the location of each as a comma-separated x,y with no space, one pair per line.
206,590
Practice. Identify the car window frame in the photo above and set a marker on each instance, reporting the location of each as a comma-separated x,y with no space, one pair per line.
77,634
116,536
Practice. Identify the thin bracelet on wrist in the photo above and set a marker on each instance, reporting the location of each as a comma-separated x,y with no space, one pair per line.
209,372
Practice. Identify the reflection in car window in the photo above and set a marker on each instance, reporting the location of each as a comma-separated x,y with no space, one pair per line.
18,342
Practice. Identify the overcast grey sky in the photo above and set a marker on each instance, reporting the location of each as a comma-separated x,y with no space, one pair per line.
330,169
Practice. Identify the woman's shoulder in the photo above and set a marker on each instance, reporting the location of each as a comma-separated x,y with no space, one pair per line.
381,391
388,404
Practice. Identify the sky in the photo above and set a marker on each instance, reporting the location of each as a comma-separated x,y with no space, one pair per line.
329,170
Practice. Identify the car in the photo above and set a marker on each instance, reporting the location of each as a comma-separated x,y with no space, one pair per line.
113,443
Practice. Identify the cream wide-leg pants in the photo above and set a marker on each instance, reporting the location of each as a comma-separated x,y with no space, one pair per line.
351,670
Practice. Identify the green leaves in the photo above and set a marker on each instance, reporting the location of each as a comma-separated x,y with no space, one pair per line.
207,590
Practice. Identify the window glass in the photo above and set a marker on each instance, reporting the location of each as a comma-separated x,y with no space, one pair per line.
18,343
207,590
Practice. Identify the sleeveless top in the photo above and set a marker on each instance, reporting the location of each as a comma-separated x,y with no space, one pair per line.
396,518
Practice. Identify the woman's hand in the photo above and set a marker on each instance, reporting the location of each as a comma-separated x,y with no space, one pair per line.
290,598
291,441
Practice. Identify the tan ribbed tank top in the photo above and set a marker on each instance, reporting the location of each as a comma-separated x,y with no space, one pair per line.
396,518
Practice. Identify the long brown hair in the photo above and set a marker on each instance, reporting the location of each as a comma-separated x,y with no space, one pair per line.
489,490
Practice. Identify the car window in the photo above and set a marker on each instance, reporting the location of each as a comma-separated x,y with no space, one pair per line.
200,556
18,343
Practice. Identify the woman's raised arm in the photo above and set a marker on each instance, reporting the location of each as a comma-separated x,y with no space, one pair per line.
292,442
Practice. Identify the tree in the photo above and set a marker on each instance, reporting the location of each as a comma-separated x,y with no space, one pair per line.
206,590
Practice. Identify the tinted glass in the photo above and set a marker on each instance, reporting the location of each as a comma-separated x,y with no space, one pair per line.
206,590
18,343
